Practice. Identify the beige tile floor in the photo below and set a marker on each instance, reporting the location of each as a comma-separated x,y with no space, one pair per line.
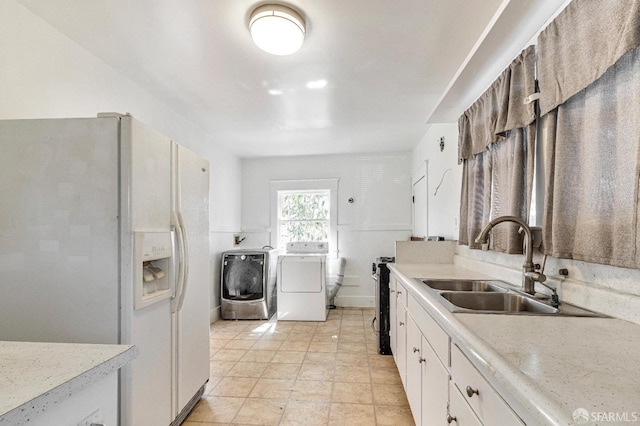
301,373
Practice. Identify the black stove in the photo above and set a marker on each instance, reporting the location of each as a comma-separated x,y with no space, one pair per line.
381,323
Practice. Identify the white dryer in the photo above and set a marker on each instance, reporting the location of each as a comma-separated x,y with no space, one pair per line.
302,282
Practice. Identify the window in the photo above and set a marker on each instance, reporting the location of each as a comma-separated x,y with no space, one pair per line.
496,146
588,75
587,157
304,210
303,216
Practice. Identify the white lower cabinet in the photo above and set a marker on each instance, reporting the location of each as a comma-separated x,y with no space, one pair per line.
400,352
478,393
401,345
393,317
96,404
427,379
435,387
414,369
459,411
443,387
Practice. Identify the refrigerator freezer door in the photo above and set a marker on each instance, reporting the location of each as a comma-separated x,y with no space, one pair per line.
146,382
150,195
191,321
146,208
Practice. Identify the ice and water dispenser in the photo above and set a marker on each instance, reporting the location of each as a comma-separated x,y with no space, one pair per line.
153,260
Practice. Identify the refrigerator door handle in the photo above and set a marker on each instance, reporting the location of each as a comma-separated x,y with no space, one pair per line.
185,262
175,219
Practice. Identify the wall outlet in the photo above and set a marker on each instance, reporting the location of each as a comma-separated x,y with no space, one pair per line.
94,418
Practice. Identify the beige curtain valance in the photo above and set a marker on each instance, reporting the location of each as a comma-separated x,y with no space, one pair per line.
583,42
500,108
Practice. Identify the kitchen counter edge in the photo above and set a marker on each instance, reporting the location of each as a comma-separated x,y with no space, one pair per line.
519,390
102,360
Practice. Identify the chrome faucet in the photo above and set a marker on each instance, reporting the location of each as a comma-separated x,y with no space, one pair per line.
529,274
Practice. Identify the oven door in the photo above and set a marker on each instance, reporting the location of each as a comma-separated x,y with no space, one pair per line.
375,322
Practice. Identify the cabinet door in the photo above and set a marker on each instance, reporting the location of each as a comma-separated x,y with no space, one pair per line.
414,369
459,411
435,387
401,344
393,317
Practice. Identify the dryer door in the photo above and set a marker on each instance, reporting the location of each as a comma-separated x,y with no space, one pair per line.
302,274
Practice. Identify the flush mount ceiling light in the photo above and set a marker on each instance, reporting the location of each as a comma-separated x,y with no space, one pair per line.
277,29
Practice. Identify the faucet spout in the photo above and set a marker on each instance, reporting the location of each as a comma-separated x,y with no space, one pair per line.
528,284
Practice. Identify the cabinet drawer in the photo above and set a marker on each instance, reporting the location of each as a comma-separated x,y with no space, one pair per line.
484,400
437,338
401,293
460,413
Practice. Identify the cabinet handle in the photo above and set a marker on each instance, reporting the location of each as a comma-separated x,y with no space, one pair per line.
392,291
401,323
399,291
471,391
451,419
421,360
415,350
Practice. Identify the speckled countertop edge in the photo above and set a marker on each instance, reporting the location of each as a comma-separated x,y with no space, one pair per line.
104,365
517,388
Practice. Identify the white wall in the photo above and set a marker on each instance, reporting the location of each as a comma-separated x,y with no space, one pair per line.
44,74
442,169
368,228
225,211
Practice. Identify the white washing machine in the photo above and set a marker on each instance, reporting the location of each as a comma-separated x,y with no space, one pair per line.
302,282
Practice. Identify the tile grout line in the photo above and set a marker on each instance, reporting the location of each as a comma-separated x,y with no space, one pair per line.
346,325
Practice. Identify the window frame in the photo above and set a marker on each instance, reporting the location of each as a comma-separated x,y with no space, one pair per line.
281,220
305,185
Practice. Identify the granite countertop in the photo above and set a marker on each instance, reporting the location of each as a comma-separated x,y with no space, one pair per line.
35,376
548,366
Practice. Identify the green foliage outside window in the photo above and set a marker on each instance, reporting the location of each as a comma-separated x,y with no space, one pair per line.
304,216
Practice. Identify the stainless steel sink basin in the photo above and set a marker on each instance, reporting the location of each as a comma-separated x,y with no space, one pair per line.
464,285
494,297
496,303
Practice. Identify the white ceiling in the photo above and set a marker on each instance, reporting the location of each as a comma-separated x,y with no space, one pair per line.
388,66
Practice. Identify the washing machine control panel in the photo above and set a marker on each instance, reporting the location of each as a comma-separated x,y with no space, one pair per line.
321,247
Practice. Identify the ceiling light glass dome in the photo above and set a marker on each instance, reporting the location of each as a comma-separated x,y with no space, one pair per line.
277,29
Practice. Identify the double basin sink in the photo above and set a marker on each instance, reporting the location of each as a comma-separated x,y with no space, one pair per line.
493,297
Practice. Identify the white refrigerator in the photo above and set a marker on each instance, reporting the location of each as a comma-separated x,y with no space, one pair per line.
104,238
